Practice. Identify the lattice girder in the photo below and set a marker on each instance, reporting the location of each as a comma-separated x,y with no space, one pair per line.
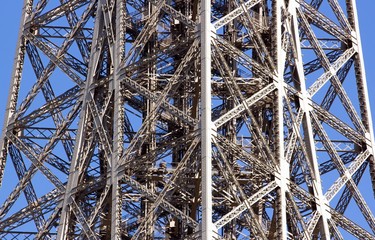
187,120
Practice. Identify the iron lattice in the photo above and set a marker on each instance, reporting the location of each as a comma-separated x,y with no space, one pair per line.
226,119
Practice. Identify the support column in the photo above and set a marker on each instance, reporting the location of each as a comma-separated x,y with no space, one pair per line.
118,122
14,85
75,170
207,226
308,129
362,86
281,223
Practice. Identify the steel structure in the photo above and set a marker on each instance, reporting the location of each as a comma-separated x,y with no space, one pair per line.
179,119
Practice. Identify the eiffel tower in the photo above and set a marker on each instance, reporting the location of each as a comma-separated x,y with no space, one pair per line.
187,119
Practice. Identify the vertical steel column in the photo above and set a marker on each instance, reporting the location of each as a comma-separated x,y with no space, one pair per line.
281,232
362,87
14,84
206,119
75,165
118,122
308,128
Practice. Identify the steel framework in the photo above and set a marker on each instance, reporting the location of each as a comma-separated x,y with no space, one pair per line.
187,119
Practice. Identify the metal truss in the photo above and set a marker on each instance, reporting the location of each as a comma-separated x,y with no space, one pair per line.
236,119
